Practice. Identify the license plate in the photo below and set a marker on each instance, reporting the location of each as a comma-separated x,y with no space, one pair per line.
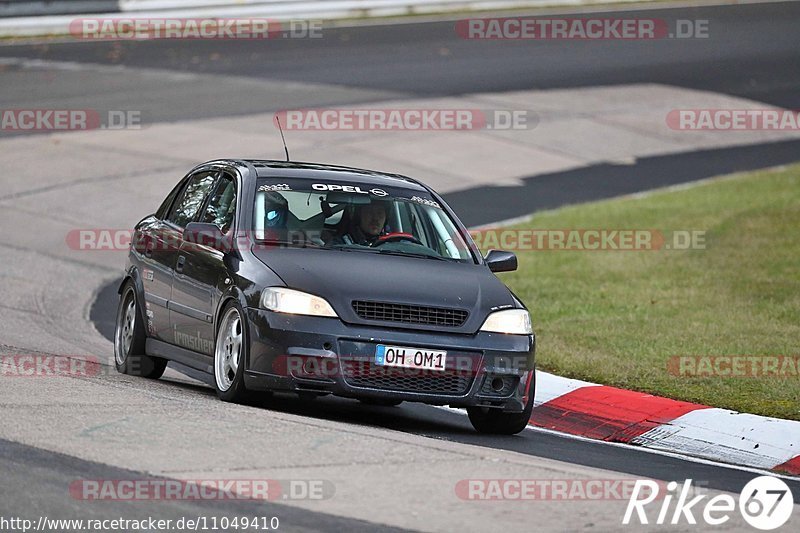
406,357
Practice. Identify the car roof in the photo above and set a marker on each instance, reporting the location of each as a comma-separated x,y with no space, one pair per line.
266,168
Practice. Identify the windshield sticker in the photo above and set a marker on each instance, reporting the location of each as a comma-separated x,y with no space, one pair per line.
347,188
425,201
274,188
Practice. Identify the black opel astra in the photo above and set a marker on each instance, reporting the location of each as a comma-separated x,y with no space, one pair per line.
319,279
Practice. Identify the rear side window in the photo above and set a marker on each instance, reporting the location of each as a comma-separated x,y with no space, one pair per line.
191,198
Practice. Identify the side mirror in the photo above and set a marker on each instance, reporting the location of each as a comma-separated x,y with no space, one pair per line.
207,234
501,261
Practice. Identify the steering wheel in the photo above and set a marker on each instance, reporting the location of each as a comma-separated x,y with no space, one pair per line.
396,237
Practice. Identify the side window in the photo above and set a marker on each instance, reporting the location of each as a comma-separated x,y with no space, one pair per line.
165,205
191,198
419,230
221,208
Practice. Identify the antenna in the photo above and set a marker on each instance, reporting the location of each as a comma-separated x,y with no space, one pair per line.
278,120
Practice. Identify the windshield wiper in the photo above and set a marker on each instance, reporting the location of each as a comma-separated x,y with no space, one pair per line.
370,250
279,242
412,254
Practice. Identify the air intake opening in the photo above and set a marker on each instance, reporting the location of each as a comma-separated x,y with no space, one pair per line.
498,384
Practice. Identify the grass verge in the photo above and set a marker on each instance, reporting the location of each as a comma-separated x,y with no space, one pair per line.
618,317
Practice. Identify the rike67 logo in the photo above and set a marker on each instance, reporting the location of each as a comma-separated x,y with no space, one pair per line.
765,503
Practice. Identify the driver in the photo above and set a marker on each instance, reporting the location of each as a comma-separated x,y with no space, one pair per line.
366,225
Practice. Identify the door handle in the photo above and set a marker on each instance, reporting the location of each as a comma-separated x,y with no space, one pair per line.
181,262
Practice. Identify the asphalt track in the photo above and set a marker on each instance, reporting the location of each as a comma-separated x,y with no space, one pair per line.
47,473
753,53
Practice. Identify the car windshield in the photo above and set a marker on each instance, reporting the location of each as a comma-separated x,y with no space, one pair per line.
356,217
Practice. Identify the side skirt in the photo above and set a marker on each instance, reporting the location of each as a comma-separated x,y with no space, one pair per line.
158,348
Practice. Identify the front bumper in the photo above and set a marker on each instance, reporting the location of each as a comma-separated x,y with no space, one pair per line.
325,355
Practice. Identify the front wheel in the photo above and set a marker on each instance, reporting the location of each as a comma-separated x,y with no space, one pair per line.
496,422
129,339
230,355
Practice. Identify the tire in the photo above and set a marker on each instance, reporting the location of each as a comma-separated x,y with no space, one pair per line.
231,351
496,422
381,402
129,339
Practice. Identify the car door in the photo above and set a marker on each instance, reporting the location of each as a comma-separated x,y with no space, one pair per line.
186,208
154,256
201,271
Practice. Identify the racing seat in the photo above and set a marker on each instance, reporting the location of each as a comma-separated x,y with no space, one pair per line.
276,216
332,230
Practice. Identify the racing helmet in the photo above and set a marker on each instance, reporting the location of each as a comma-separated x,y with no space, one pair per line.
276,211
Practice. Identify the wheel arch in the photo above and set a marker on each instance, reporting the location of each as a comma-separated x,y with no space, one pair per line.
233,294
133,276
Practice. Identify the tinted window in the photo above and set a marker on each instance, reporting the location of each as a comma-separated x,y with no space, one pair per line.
191,199
167,203
222,206
357,217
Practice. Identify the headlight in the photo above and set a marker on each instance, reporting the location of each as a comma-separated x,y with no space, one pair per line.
283,300
511,321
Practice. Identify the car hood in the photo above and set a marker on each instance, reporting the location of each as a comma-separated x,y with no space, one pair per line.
343,276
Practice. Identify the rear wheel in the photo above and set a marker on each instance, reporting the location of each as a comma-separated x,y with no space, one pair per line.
230,355
495,421
129,339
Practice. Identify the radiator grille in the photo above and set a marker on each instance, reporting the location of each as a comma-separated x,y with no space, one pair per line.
410,314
